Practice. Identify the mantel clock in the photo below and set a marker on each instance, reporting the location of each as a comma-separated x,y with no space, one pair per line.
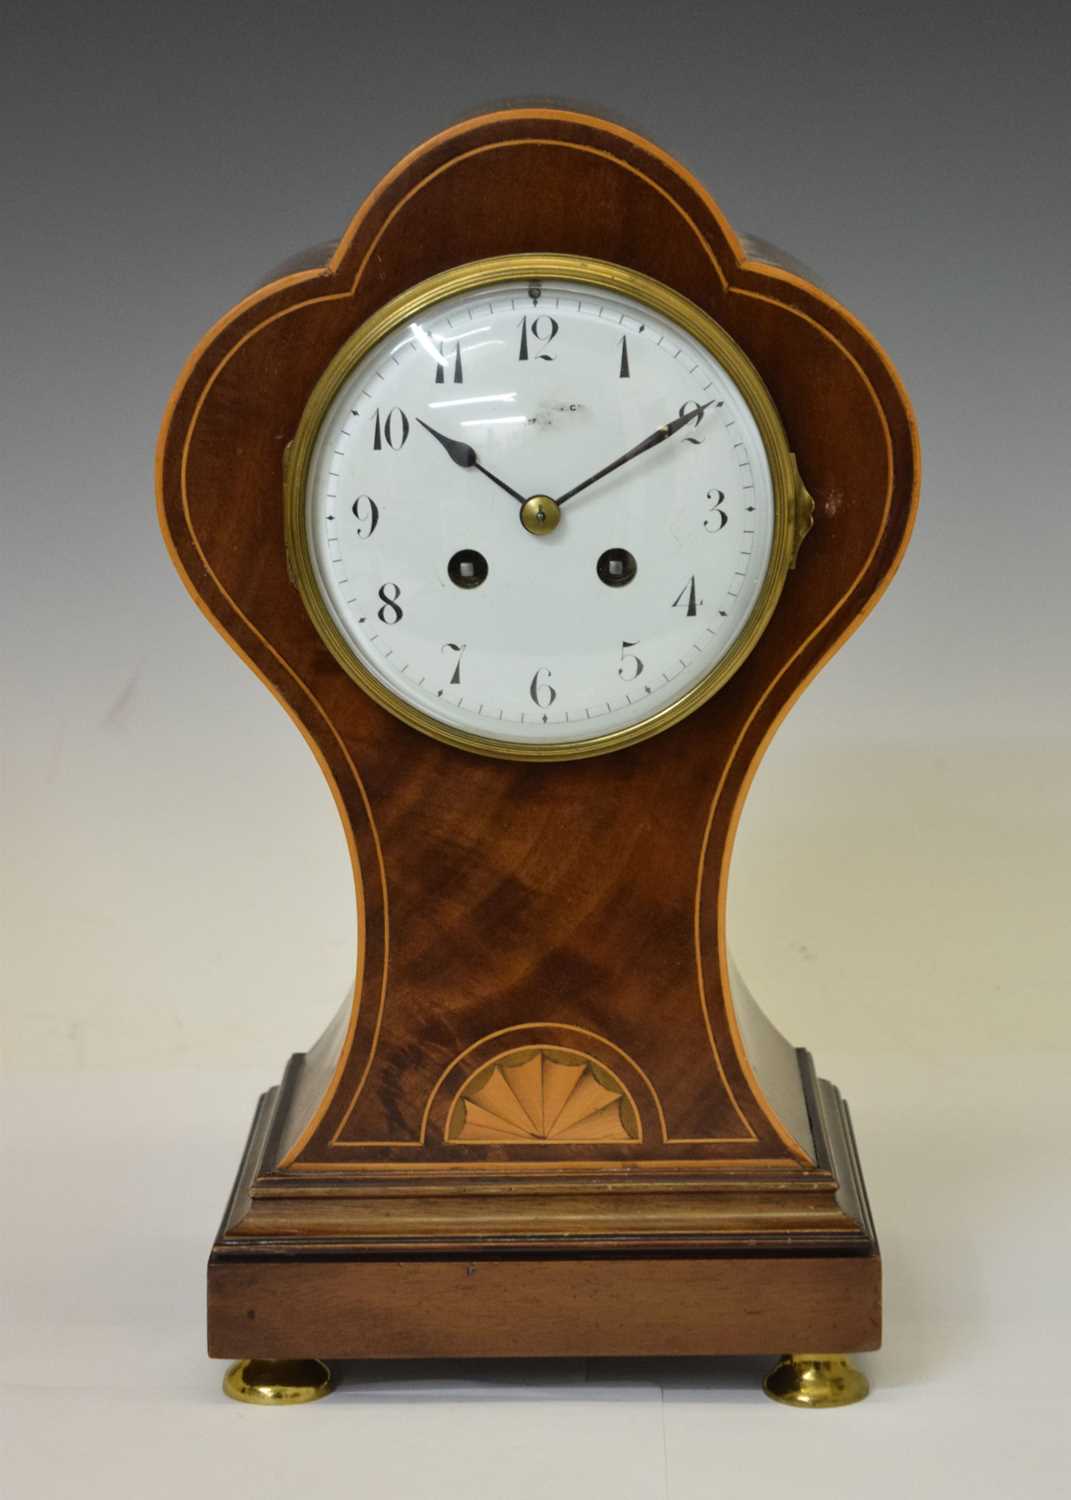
536,502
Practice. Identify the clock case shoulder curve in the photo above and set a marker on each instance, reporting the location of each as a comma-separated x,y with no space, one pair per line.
534,180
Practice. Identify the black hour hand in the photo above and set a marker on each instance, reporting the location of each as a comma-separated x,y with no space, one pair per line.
461,453
464,455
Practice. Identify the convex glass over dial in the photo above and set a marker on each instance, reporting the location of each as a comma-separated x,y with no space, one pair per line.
541,507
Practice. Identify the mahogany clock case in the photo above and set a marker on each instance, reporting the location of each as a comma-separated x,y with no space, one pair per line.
524,916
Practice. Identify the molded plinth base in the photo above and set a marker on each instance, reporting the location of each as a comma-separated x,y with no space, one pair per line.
369,1270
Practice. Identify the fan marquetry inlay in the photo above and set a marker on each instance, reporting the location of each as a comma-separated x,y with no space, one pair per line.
542,1098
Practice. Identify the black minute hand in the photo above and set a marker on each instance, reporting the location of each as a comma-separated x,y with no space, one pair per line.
465,458
659,436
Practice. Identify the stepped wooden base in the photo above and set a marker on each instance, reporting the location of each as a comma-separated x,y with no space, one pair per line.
309,1265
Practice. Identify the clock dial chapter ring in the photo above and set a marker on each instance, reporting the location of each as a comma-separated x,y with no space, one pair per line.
715,481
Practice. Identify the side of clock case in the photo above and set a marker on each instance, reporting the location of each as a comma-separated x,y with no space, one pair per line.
509,911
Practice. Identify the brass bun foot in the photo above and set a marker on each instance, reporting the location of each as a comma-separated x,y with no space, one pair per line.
816,1380
278,1382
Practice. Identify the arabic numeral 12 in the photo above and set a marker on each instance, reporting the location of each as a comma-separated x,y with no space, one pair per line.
542,330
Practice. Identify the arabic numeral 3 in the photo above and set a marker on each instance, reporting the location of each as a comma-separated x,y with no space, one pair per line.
719,519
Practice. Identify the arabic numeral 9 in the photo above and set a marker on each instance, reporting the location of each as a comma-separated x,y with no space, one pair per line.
366,514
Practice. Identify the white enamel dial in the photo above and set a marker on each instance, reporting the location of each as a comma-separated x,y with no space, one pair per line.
411,505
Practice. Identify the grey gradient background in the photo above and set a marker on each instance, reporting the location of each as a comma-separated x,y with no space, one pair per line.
176,911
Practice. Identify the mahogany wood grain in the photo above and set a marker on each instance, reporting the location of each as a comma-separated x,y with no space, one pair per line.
500,1309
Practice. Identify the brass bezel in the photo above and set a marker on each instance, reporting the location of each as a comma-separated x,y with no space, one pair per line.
792,505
